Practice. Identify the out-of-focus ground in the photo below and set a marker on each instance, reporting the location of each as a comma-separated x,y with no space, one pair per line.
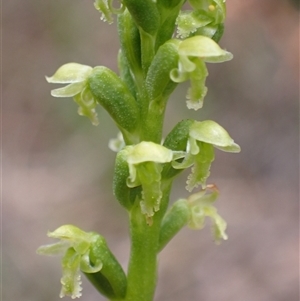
57,168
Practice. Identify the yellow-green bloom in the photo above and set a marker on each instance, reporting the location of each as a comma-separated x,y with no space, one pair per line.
76,76
204,19
193,53
203,137
201,206
74,246
145,165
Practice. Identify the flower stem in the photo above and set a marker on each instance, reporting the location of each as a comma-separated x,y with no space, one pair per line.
142,270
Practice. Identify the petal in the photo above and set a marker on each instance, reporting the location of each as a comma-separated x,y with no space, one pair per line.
219,224
186,163
70,73
211,132
87,107
198,90
79,239
87,267
104,7
116,144
178,76
201,206
71,283
201,169
189,21
149,151
149,174
69,90
205,48
58,248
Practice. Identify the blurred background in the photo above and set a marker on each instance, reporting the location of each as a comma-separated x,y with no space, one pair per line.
57,168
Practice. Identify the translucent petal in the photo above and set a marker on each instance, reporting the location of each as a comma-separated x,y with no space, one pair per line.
87,267
71,282
69,232
198,90
189,21
149,174
211,132
58,248
69,90
204,48
116,144
70,73
87,98
178,76
201,168
149,151
87,108
186,64
201,206
77,238
219,224
104,7
186,163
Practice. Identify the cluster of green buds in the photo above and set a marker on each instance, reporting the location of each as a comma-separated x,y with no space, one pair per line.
162,45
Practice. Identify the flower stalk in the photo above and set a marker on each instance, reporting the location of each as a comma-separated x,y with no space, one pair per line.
161,46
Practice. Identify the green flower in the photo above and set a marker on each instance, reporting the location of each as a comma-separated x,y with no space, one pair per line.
193,53
145,165
204,19
75,246
116,144
201,206
76,76
203,137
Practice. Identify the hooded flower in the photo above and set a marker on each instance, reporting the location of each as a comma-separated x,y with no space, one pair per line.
76,75
203,137
193,53
145,165
201,206
75,247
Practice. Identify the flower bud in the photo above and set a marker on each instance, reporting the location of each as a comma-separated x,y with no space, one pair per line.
115,97
130,40
145,14
158,76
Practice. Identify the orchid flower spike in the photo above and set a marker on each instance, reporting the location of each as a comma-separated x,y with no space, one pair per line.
203,137
76,76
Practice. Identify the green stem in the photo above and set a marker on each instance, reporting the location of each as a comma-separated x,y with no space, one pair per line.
153,122
142,270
